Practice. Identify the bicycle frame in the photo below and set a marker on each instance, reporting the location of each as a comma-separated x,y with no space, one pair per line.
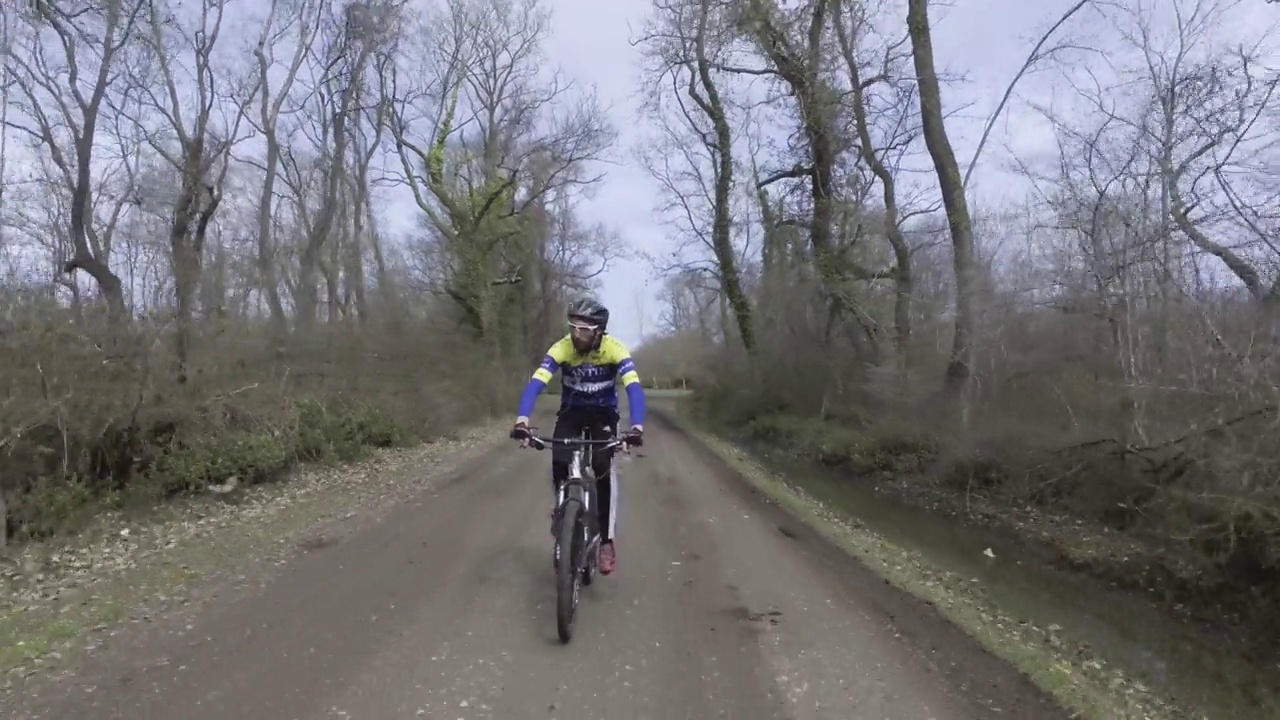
575,565
581,483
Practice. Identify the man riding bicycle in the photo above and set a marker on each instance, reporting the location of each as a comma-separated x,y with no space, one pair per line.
591,363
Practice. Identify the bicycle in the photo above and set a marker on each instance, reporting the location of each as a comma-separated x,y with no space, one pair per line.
575,502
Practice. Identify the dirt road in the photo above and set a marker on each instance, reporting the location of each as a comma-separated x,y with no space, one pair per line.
722,606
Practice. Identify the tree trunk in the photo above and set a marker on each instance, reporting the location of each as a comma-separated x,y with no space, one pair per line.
902,275
267,277
721,241
960,366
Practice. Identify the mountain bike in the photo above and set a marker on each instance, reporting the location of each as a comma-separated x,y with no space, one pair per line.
575,523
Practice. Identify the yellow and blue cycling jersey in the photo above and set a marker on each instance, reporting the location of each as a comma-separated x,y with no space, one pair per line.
589,380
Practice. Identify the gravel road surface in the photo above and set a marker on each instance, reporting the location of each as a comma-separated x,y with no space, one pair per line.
722,606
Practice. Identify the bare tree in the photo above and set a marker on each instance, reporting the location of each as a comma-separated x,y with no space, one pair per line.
794,45
355,35
202,155
474,190
64,93
367,135
951,183
140,179
851,32
687,43
1187,135
1211,116
298,23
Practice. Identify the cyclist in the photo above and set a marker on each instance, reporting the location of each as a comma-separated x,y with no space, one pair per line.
591,363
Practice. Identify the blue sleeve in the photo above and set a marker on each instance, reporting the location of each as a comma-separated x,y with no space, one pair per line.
530,396
635,403
546,370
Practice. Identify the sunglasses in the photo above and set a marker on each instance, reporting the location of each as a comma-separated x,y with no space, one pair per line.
582,327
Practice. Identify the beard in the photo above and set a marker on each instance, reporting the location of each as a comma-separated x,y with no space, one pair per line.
583,346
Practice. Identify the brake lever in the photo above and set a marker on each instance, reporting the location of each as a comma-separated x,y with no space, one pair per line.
528,440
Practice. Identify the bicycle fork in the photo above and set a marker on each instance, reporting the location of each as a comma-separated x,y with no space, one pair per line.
585,496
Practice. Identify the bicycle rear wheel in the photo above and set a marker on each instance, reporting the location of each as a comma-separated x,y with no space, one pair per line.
568,573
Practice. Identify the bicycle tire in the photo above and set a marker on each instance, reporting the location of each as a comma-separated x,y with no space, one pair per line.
568,574
590,546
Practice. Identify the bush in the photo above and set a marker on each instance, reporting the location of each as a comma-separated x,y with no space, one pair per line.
51,506
865,452
249,457
82,428
341,432
333,432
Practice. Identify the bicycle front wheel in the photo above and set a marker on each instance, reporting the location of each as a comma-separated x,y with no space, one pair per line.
568,574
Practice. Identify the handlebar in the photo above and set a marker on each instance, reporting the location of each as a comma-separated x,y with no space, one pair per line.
533,439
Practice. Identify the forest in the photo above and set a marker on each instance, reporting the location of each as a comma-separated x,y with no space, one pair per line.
204,281
1089,362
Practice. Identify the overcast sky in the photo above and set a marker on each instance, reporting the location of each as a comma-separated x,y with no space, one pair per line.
590,42
985,41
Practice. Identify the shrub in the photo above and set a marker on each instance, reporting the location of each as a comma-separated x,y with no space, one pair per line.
341,431
250,457
51,506
82,428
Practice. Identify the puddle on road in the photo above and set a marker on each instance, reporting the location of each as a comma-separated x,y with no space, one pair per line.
1121,628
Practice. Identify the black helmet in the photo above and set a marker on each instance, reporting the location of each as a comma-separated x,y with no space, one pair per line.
589,309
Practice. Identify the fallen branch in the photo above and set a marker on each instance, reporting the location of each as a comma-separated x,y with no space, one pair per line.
1086,445
1213,429
237,391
